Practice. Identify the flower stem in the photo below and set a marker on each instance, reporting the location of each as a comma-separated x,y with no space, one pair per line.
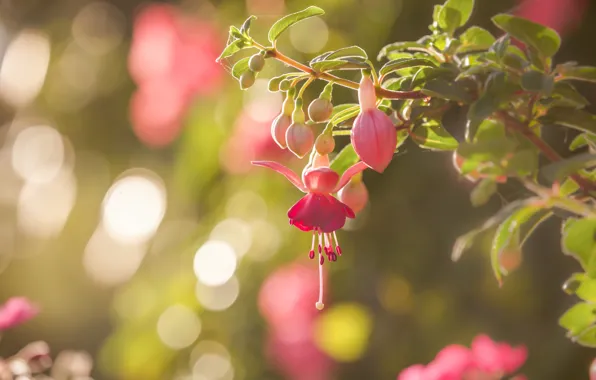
381,92
546,149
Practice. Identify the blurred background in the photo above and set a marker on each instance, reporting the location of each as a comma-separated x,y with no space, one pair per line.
129,211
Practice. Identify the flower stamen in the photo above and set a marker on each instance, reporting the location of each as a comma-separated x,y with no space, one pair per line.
311,254
337,248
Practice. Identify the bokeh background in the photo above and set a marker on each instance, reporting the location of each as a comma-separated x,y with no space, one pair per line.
129,211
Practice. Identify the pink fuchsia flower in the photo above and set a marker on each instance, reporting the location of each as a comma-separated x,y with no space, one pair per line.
373,134
495,357
319,211
354,194
15,311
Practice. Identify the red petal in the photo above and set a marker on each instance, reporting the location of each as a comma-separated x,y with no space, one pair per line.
321,211
286,172
320,180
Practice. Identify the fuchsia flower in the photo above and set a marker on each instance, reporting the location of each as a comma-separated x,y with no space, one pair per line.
486,360
319,211
373,134
15,311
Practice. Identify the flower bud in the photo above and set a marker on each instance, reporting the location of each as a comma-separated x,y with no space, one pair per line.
373,135
256,63
320,110
325,144
510,259
300,139
247,79
279,127
354,195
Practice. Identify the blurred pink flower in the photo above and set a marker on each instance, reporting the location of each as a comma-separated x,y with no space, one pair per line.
172,59
15,311
251,140
300,359
561,15
485,360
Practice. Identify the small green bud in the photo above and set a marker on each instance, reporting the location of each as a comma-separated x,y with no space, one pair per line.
256,63
324,144
247,79
285,85
298,114
320,110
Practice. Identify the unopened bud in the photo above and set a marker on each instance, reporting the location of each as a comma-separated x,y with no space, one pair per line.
510,259
300,139
256,63
325,144
247,79
279,127
354,195
320,110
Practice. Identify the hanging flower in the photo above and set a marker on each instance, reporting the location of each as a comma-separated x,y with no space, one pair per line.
319,211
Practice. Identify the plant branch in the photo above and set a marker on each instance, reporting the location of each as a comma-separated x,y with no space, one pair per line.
381,92
546,149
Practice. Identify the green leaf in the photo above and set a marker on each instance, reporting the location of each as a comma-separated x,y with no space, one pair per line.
588,337
447,90
342,107
231,49
582,73
500,46
567,95
345,63
245,28
587,290
523,163
403,63
344,159
475,38
542,38
285,22
578,119
578,318
240,67
579,242
583,140
483,192
464,242
556,171
343,52
399,46
535,81
344,115
455,13
432,135
490,130
508,236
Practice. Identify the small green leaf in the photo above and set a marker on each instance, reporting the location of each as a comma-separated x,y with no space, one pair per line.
579,242
556,171
345,63
508,235
583,140
432,135
578,119
535,81
342,107
483,192
464,242
587,290
397,84
462,7
231,49
398,47
566,94
582,73
500,46
403,63
514,62
240,67
344,159
578,318
344,115
449,20
343,52
284,23
447,90
523,163
588,337
544,39
475,38
245,28
490,130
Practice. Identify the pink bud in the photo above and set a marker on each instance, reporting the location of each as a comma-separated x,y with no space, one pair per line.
300,139
15,311
354,195
593,370
279,127
373,135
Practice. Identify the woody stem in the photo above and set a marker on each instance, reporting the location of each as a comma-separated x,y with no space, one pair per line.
381,92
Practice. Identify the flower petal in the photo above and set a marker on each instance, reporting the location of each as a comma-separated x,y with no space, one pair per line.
349,173
374,138
286,172
319,211
320,180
